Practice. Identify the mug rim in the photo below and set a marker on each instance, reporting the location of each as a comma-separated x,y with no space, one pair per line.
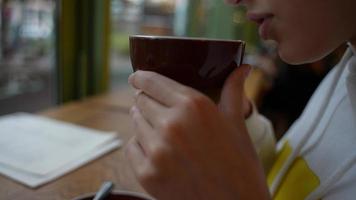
116,192
157,37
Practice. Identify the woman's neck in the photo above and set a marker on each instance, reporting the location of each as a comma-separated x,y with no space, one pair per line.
353,47
353,42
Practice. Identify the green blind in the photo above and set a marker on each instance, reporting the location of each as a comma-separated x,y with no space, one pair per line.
83,45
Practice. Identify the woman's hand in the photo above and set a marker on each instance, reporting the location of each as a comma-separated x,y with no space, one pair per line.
186,147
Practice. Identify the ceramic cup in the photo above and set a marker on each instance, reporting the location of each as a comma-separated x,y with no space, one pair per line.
203,64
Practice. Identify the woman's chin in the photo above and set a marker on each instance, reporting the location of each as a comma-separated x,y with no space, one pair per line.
298,53
294,57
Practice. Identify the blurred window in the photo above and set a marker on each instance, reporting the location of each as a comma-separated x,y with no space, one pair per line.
27,52
198,18
151,17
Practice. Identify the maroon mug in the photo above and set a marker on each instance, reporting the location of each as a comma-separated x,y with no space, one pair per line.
200,63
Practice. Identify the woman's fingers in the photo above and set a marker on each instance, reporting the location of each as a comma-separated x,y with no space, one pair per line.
135,154
151,110
162,89
145,135
232,96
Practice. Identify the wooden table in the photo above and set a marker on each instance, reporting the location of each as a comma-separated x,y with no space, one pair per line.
108,112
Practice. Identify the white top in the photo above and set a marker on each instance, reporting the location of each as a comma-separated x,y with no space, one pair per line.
323,138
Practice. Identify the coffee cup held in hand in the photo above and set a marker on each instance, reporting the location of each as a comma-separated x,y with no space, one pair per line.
203,64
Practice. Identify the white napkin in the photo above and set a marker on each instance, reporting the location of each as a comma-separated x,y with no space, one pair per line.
35,150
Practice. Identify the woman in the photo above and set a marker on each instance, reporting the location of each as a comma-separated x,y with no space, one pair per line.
188,148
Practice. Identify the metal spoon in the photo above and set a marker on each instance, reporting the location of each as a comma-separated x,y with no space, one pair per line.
104,190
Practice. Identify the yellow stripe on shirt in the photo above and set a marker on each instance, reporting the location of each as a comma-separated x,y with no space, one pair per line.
299,180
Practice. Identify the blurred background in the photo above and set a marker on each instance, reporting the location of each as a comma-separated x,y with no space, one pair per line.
57,51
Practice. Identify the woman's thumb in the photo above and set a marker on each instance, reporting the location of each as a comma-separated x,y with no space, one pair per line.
232,96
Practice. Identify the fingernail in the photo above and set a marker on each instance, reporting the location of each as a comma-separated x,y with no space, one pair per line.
133,110
138,92
130,79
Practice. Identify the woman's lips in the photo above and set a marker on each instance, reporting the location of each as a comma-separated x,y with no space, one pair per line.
264,21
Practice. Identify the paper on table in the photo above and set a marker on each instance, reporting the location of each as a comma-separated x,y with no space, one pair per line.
35,150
